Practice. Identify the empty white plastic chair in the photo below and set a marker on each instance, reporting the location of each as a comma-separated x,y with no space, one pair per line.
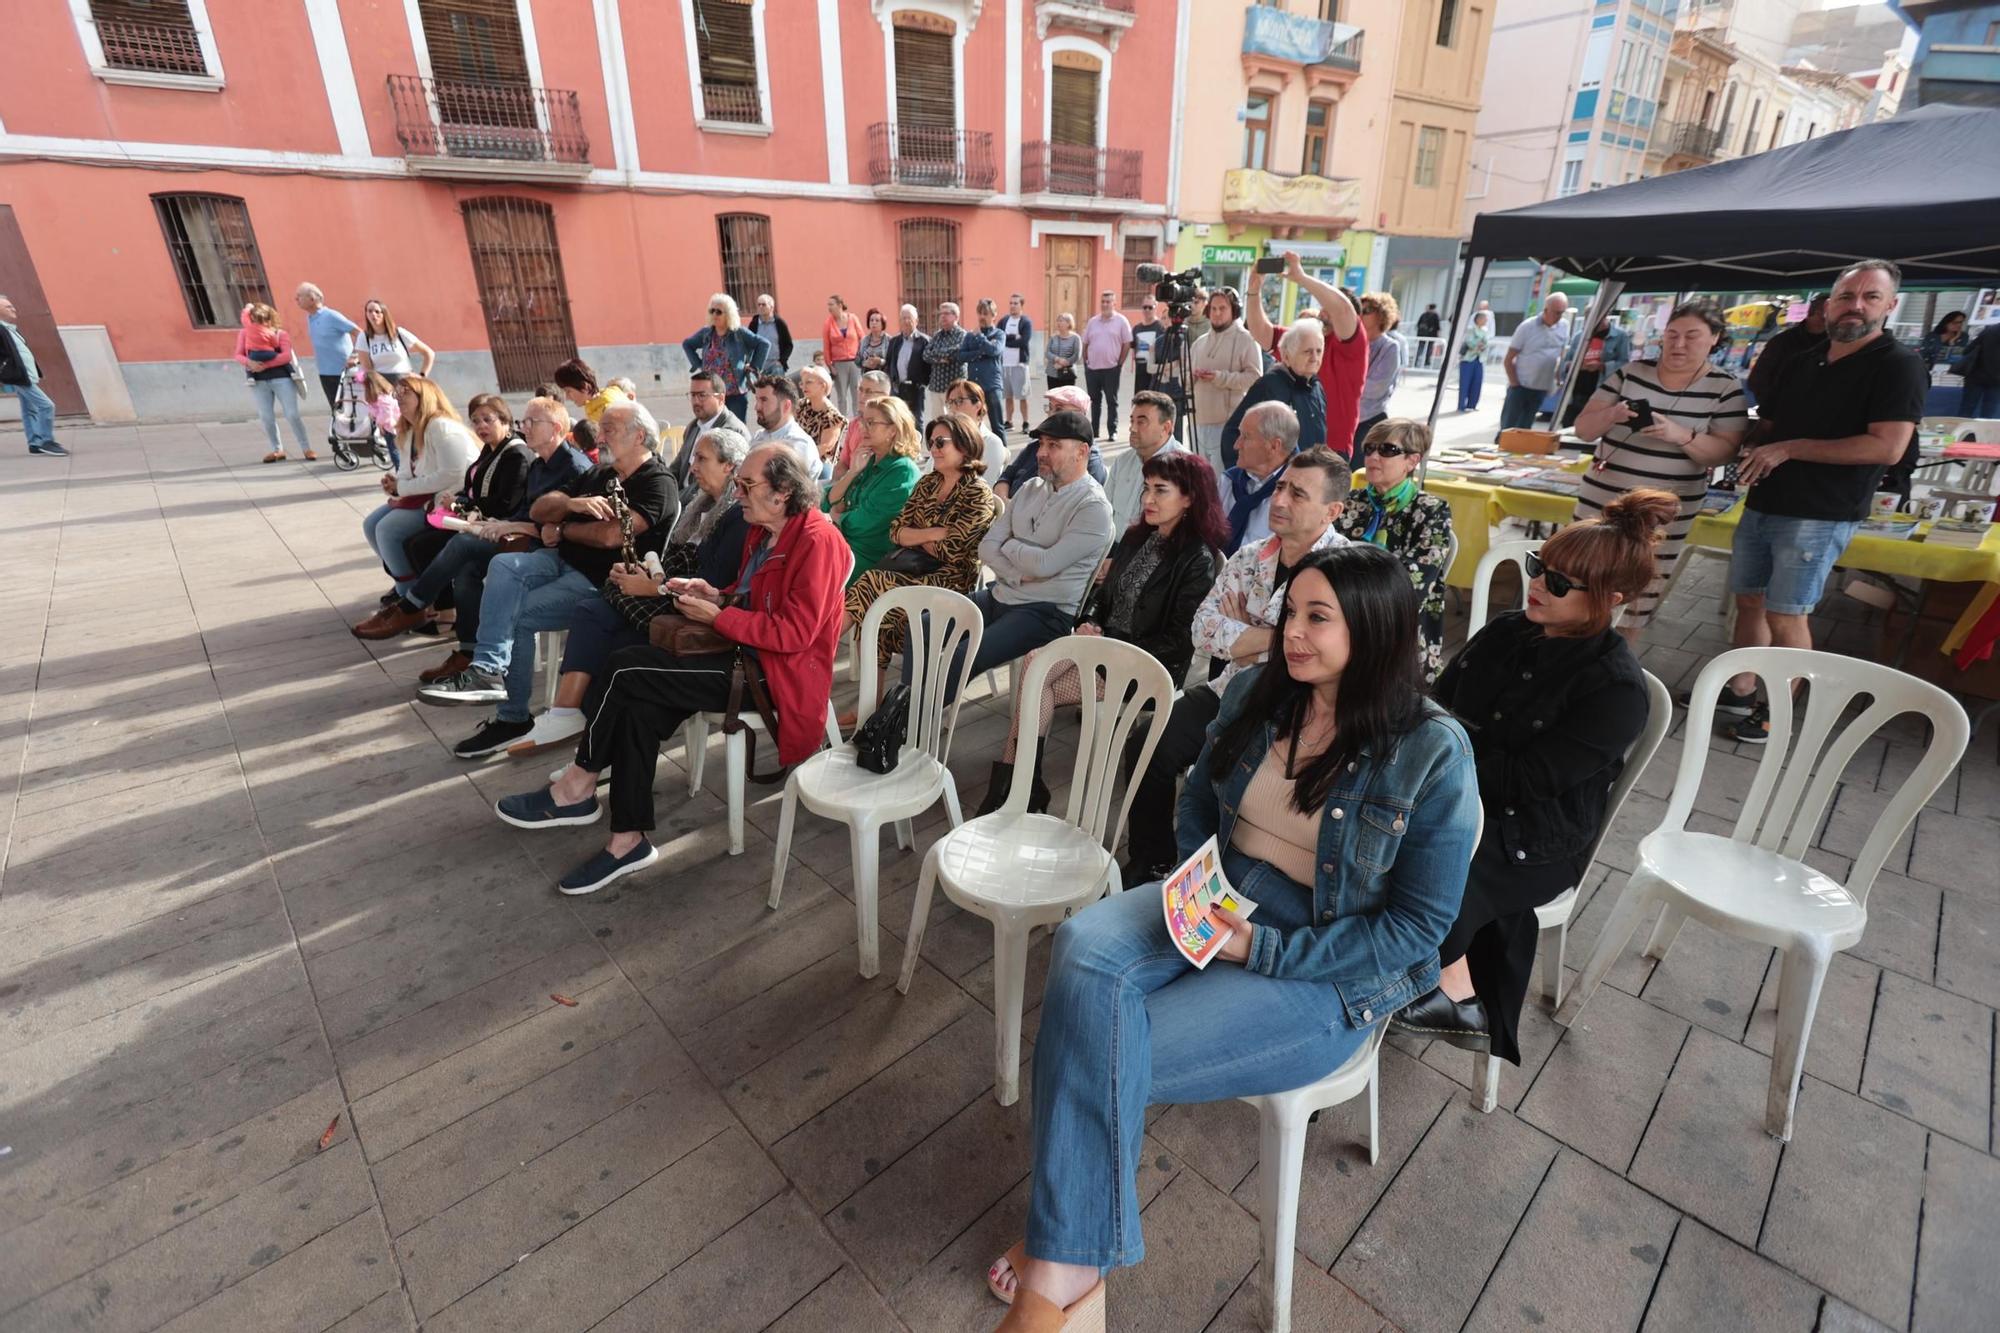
549,645
1553,917
1513,552
1753,883
832,784
1020,870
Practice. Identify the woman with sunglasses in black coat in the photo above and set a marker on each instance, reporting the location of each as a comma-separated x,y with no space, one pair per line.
1552,698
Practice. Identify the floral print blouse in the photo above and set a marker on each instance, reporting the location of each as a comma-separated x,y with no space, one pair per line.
1419,536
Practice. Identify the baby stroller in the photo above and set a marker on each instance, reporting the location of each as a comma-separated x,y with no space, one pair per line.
353,432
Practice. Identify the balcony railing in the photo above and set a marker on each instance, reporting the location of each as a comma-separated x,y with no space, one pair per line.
156,48
735,103
1097,173
930,157
1296,39
1696,141
441,119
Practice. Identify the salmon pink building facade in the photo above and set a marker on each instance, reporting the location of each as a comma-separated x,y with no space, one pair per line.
526,180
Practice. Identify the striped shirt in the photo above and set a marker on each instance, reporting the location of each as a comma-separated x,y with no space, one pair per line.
1714,402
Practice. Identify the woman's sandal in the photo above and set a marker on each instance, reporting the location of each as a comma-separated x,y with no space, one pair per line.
1033,1312
1014,1258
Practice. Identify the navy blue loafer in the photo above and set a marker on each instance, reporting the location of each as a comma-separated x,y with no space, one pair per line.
602,868
538,809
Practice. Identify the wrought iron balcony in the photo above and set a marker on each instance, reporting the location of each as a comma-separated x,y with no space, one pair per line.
477,129
1696,141
154,48
732,103
929,157
1095,173
1293,39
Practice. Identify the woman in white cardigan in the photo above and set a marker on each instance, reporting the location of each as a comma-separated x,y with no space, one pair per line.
436,449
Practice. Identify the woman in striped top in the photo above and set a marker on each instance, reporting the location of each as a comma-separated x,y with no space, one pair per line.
1699,419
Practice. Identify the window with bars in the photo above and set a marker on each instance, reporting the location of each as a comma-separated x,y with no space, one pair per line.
214,254
154,36
747,270
1430,148
1319,131
518,269
927,262
726,44
1138,250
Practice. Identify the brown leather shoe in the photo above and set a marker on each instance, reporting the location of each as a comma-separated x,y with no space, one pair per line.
390,621
451,666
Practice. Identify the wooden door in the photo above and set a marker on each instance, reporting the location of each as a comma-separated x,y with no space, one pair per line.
519,271
1069,280
20,283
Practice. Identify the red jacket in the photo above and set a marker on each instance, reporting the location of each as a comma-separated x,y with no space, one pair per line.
792,619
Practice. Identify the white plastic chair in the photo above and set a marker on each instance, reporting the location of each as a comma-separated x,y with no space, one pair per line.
833,785
1514,552
1553,917
1020,870
1753,883
549,645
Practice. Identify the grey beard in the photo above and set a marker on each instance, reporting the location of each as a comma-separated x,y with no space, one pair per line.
1842,333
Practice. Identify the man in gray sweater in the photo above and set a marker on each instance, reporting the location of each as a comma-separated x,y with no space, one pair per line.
1043,550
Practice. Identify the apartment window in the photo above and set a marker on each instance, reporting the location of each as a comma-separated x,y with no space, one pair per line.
150,36
1074,80
1750,127
1430,147
927,263
1319,129
925,75
474,41
726,47
1329,10
1572,177
1138,250
747,270
215,255
1447,22
1257,132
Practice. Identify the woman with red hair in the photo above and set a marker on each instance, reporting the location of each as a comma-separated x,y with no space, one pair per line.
1158,573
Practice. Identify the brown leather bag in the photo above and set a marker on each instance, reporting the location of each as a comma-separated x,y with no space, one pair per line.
685,638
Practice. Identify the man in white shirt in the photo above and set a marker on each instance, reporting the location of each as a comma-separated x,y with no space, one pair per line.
775,407
1152,427
1532,354
1017,347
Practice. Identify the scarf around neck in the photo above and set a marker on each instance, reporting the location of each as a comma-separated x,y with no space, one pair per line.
1398,498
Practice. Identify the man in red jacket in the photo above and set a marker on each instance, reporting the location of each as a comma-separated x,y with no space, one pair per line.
785,606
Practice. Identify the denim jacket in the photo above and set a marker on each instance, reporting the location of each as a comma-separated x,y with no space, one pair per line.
1395,842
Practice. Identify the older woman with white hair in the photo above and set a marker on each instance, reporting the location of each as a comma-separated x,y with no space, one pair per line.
1294,381
728,351
817,415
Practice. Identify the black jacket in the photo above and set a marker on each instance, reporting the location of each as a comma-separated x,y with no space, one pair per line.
1981,364
920,370
1163,620
1550,721
13,369
777,333
497,482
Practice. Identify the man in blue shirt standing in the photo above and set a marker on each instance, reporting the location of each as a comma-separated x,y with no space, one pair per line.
20,376
332,335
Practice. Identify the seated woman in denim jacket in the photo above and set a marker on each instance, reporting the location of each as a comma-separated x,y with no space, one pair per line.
1345,805
1552,697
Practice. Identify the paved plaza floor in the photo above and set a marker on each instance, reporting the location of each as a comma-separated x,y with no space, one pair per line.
248,894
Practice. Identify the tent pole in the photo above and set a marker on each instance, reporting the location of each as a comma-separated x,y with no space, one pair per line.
1608,292
1468,298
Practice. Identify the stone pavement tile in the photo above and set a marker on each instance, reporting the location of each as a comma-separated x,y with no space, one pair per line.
1969,947
33,928
326,1278
1839,1317
978,983
1930,1057
116,796
417,847
586,1272
1710,1285
743,1280
1584,1220
1640,816
1537,1035
1632,969
1598,1088
148,1202
177,1271
902,1218
1839,1036
1706,1151
758,964
734,1043
843,1301
1856,812
416,1106
1218,1140
1958,852
1902,933
1725,781
388,1313
1425,1253
1844,1213
1979,782
839,1150
1319,1303
1200,1246
85,864
804,1078
339,915
1709,978
1958,1284
1901,760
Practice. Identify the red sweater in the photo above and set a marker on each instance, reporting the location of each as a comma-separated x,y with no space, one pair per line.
793,621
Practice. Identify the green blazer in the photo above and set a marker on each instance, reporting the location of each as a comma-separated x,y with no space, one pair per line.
872,502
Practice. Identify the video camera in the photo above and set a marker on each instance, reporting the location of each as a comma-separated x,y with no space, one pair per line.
1175,291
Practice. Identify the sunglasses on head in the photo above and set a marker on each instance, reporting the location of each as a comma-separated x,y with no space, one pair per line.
1388,451
1562,585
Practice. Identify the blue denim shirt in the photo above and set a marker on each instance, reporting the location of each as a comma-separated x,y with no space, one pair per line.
1395,842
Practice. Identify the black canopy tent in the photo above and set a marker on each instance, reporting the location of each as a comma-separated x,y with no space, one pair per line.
1922,189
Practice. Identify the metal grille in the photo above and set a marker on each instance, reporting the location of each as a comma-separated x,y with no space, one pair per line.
1138,250
927,259
214,254
939,158
519,271
747,271
726,43
515,122
157,37
1060,168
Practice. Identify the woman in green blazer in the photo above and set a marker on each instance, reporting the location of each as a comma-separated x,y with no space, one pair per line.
867,498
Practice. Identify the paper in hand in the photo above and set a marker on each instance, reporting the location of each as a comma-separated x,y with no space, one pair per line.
1189,894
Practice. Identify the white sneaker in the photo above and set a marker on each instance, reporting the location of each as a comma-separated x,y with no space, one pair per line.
549,730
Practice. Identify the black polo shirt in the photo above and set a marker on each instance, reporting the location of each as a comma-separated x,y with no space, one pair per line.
1817,400
649,491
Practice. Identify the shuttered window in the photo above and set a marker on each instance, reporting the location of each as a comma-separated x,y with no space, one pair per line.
156,36
1319,128
927,261
1138,250
747,271
1430,148
726,43
214,254
474,41
924,78
1073,102
519,273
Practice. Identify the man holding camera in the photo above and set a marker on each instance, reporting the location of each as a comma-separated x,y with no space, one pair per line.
1343,371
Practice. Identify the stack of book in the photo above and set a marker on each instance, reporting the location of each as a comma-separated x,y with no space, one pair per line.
1957,532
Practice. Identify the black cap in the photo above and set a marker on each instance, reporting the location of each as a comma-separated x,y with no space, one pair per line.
1066,426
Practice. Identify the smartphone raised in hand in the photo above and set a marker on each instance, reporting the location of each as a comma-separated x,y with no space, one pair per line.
1271,264
1642,413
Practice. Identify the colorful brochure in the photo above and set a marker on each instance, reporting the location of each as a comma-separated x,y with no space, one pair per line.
1191,892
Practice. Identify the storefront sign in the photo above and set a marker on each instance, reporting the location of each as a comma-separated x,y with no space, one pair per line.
1229,254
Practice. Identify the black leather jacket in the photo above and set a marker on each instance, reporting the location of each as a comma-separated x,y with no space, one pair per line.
1550,721
1163,619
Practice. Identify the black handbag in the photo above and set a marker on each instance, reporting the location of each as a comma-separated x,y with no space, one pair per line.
878,746
912,561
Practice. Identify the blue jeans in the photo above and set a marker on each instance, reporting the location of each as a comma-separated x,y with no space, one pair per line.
1519,409
1978,400
1126,1021
460,566
1783,560
525,594
1471,379
277,395
38,413
386,530
1012,632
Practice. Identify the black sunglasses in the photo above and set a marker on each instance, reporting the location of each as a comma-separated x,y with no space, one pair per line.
1388,451
1562,585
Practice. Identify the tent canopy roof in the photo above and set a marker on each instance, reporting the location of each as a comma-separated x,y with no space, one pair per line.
1922,189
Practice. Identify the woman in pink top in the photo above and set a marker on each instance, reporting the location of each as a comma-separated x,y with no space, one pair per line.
841,341
265,352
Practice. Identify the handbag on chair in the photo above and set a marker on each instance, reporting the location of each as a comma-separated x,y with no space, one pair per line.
878,746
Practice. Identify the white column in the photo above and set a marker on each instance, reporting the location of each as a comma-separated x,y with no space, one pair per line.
343,96
1010,140
1174,132
833,92
617,86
